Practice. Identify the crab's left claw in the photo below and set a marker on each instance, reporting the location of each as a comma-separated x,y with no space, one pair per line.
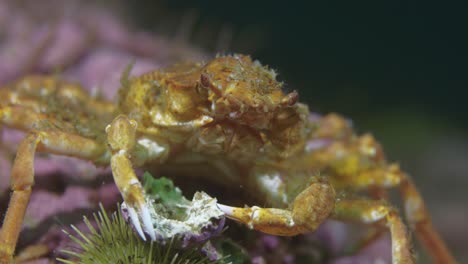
121,139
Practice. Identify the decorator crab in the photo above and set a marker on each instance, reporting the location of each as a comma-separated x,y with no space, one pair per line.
229,113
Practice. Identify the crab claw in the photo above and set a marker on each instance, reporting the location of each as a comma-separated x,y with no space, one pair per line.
140,218
121,138
272,221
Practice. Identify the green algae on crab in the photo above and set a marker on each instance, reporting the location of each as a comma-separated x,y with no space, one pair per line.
169,198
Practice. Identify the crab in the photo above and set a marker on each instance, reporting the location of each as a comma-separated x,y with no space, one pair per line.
229,113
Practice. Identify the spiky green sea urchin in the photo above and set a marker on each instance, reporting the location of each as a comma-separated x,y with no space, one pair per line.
113,241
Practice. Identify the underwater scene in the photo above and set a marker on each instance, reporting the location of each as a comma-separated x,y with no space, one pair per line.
241,132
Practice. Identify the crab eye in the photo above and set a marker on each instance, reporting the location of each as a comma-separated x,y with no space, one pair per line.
201,90
286,118
205,81
290,99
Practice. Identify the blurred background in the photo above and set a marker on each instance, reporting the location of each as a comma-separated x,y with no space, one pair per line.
396,68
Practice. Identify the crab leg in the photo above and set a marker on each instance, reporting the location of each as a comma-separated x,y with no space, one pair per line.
375,174
24,118
121,138
310,208
26,90
416,213
418,217
22,177
375,212
415,209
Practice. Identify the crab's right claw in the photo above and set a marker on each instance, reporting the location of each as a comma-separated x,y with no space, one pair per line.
121,137
138,211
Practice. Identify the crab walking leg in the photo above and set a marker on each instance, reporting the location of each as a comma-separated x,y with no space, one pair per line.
415,209
12,98
28,89
32,252
377,212
22,177
381,177
310,208
419,219
121,138
24,118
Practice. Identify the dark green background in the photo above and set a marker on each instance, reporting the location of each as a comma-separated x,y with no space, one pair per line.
397,69
345,56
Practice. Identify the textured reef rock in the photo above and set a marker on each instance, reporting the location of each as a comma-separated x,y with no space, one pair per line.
79,42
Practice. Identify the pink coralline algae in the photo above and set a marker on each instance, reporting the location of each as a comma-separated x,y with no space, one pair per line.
79,43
